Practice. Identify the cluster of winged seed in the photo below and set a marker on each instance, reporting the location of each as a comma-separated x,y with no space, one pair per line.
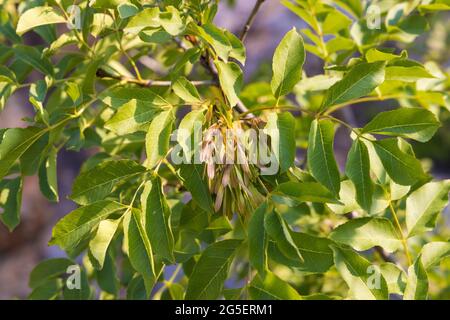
234,178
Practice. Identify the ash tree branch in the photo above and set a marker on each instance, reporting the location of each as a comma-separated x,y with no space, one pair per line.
207,63
250,19
101,73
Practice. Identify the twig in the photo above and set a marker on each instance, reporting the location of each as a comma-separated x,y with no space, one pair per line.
148,82
207,63
250,19
366,99
400,231
167,283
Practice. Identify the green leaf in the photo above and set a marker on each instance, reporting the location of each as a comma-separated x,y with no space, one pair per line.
107,4
32,57
136,289
38,16
83,293
270,287
395,277
98,246
433,252
278,230
186,91
305,192
6,75
190,127
71,229
186,246
154,35
157,219
48,178
15,143
148,17
98,182
171,21
238,51
10,202
143,98
32,158
434,7
417,282
6,27
107,277
407,74
302,13
402,167
316,252
157,139
424,205
347,198
216,38
48,269
257,239
415,123
131,118
355,270
6,90
139,249
361,80
321,161
365,233
38,92
137,108
339,44
231,80
127,10
335,21
193,218
194,180
49,290
281,129
355,7
287,63
374,54
211,270
358,171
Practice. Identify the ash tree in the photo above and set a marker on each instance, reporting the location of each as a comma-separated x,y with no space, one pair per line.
170,205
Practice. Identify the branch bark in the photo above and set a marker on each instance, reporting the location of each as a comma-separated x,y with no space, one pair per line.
207,63
148,82
250,19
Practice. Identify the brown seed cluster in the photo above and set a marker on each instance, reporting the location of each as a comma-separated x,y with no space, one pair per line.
233,174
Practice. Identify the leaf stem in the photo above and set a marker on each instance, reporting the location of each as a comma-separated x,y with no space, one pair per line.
167,283
208,65
56,81
76,32
262,108
397,223
366,99
124,52
319,32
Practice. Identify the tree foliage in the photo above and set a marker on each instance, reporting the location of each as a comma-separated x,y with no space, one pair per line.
119,77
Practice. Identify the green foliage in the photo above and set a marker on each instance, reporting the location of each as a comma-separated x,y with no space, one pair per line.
287,64
137,70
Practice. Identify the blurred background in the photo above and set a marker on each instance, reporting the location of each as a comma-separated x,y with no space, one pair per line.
21,250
